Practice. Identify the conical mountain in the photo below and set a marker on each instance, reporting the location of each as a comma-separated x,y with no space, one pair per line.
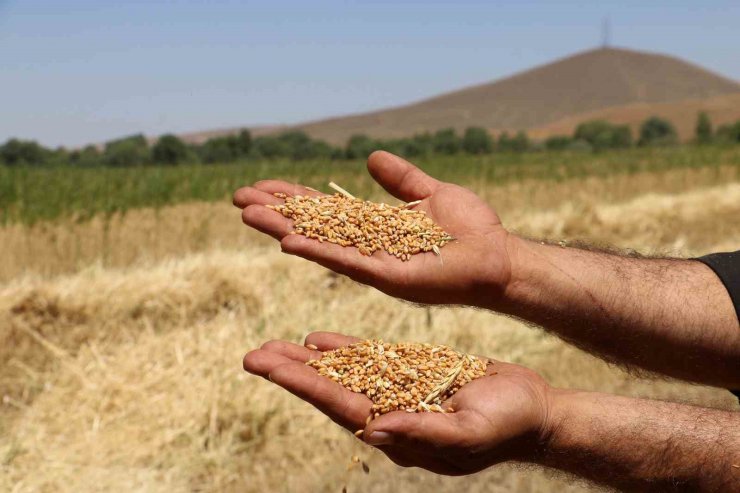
580,83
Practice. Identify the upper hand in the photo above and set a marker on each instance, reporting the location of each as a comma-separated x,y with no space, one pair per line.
477,258
502,416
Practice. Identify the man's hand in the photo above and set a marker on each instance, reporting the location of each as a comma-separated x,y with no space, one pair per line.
471,270
502,416
666,315
512,414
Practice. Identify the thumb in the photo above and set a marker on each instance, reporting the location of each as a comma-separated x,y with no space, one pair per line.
400,178
414,429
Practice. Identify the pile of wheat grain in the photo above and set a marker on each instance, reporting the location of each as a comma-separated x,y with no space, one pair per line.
408,377
348,221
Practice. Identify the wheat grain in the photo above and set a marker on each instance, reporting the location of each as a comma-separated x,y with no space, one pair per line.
345,220
408,377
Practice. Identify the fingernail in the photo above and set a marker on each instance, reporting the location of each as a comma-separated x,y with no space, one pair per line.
379,438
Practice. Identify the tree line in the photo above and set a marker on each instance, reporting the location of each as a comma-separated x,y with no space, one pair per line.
595,135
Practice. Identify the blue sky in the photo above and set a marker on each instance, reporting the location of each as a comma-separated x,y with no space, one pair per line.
74,72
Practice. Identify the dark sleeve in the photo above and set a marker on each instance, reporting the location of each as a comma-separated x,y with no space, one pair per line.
727,268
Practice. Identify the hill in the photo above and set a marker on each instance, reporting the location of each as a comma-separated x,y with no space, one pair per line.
721,109
580,83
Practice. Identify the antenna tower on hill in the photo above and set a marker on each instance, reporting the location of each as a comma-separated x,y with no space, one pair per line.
606,32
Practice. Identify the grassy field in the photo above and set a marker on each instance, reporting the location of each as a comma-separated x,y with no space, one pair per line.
122,336
33,195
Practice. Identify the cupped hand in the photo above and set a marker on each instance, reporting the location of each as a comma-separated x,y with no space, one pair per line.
470,270
500,417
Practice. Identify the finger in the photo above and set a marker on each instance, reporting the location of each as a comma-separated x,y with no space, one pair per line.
280,186
326,341
291,351
399,177
344,407
267,221
261,362
250,196
413,430
343,260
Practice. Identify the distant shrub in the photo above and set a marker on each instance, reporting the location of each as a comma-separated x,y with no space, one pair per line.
600,135
446,141
729,133
217,150
243,142
558,142
23,152
226,149
360,146
518,143
89,156
298,146
421,144
580,145
703,128
170,150
128,151
657,131
477,140
269,147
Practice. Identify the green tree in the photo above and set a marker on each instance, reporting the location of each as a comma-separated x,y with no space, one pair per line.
360,146
87,157
621,136
504,142
446,141
518,143
23,152
58,157
657,131
729,133
228,148
269,147
600,135
558,142
216,150
703,128
422,144
169,149
477,140
298,146
128,151
243,143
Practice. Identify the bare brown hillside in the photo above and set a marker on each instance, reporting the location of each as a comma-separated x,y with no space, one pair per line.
721,109
584,82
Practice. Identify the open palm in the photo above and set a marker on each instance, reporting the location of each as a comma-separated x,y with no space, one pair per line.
496,418
477,257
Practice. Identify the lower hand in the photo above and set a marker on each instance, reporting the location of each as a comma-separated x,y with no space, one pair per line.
500,417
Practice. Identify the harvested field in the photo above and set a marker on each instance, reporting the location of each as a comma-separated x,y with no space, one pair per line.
123,340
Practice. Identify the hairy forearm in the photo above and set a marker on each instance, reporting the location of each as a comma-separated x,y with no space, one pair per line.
636,444
664,315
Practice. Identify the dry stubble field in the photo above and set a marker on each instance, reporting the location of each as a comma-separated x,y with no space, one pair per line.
122,341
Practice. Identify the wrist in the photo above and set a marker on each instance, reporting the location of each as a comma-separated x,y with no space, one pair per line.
503,290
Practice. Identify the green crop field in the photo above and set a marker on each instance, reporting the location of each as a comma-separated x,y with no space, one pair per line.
30,195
